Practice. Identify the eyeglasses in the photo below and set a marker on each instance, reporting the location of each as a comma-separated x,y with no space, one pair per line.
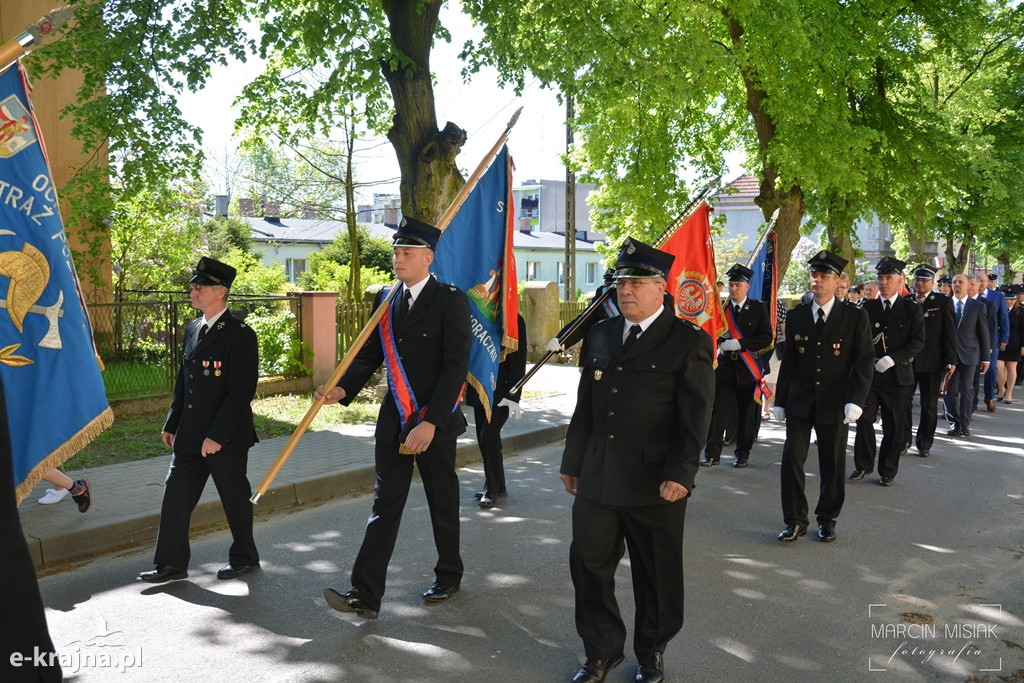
196,287
623,283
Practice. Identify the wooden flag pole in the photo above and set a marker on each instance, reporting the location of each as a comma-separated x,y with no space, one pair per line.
446,218
34,34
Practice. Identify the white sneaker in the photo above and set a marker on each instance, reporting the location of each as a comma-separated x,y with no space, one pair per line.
53,496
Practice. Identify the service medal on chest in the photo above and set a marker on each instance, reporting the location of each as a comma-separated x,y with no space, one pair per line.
216,368
598,374
206,368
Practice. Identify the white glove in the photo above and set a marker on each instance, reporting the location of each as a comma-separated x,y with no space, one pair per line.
555,346
730,345
884,363
778,413
513,407
852,412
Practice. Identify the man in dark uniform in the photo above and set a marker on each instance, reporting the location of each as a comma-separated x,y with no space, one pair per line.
488,433
631,454
972,349
897,329
823,382
734,381
426,332
210,428
934,363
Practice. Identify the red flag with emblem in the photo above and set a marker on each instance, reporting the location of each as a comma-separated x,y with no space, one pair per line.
691,282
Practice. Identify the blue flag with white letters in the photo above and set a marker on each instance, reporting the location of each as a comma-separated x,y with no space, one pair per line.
56,401
475,255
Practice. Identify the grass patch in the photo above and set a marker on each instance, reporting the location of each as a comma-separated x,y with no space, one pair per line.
137,437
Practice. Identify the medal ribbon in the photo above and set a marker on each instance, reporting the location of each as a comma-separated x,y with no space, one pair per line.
762,391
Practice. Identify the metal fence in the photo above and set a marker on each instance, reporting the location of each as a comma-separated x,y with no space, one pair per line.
139,336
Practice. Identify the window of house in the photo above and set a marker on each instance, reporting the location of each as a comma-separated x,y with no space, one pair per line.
591,273
532,270
561,273
295,267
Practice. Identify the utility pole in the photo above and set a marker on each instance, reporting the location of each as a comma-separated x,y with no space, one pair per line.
570,208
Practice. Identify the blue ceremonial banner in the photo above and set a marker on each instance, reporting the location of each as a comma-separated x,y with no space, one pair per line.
475,255
56,402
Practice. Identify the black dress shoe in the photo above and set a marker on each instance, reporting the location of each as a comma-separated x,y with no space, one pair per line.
826,534
651,671
163,573
439,591
480,494
740,462
885,481
924,453
707,462
84,496
233,571
953,432
792,532
595,670
857,475
964,433
349,602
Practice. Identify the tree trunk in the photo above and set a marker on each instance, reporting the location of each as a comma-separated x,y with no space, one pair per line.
790,202
355,288
956,259
426,156
839,228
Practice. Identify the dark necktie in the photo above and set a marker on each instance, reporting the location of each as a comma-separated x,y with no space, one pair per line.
885,306
403,308
820,324
736,311
959,311
202,332
634,332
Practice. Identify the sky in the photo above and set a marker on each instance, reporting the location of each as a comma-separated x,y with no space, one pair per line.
480,107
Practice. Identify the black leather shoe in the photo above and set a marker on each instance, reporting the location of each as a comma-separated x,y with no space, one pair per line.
885,481
440,591
924,454
740,462
953,432
595,670
651,671
233,571
826,534
707,462
792,532
163,573
349,602
480,494
857,475
964,433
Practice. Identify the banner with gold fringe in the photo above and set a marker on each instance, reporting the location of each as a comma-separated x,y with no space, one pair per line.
56,401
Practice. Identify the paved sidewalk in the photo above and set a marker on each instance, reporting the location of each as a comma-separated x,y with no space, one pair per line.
126,497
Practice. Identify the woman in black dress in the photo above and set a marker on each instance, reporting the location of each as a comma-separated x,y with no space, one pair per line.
1011,355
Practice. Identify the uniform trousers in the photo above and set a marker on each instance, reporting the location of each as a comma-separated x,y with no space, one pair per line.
831,470
734,405
488,437
185,482
959,400
893,401
390,492
929,384
654,536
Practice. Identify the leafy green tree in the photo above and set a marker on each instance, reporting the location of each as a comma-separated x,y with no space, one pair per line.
254,278
224,234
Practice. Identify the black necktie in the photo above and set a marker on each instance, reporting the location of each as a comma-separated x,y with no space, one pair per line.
736,311
885,306
959,311
820,324
634,332
202,332
403,308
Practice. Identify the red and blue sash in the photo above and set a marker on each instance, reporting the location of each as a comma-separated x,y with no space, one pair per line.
610,308
761,391
398,381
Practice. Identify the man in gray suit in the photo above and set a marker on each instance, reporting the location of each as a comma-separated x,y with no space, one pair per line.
972,349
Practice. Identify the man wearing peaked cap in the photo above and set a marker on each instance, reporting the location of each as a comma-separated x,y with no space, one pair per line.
630,458
897,331
210,428
734,383
823,382
936,360
1000,320
426,331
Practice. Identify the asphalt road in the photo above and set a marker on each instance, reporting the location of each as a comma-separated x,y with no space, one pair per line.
925,582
